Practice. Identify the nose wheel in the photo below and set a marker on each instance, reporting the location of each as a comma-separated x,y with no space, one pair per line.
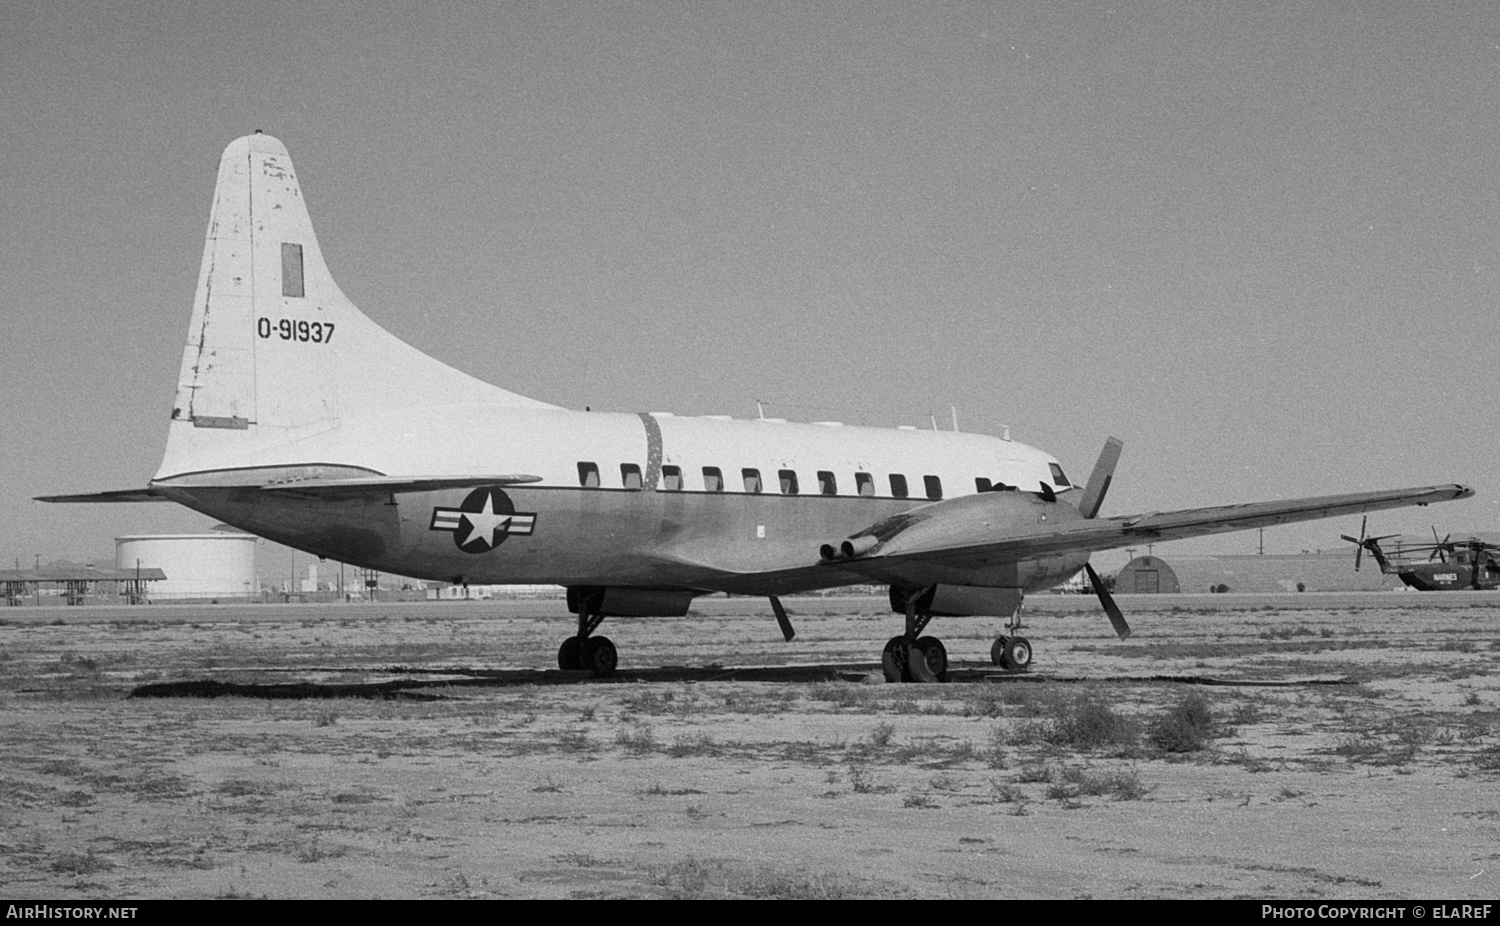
1011,653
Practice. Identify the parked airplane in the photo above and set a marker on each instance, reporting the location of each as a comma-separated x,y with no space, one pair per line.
299,419
1450,565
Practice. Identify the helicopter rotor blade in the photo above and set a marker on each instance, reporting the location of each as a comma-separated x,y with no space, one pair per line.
1359,545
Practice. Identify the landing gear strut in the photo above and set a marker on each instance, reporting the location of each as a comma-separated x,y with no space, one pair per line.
913,658
584,651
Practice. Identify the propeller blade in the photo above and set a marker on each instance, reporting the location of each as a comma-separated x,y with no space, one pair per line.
1116,619
1100,478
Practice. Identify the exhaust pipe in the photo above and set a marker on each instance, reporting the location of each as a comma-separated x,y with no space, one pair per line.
856,546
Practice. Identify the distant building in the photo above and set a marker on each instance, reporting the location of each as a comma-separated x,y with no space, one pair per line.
68,583
219,565
1305,572
440,592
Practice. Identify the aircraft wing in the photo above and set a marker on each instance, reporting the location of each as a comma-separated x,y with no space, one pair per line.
320,488
961,538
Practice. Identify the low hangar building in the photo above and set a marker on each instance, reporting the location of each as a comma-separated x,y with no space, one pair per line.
1302,572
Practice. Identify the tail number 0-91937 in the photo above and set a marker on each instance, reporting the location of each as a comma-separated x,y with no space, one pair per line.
295,330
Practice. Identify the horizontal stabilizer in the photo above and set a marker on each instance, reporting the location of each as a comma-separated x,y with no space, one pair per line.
120,495
368,485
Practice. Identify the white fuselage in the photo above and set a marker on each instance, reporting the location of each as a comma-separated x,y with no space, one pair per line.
623,499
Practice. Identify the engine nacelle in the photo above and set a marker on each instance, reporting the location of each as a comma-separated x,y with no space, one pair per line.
960,600
612,601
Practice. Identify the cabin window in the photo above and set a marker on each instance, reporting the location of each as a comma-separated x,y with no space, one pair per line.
827,485
588,475
291,270
671,479
752,480
898,485
981,484
788,482
934,487
1058,479
865,483
713,479
630,475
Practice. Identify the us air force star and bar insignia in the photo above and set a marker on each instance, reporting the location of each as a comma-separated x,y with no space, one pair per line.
482,521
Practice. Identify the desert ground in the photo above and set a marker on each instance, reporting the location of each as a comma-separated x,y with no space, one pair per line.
1296,746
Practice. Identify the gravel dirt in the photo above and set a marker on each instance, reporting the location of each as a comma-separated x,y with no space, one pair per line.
1295,747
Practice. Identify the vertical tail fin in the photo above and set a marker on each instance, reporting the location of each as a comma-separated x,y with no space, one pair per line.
275,350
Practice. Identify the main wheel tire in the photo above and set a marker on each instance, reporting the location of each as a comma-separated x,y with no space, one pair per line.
917,668
600,656
997,651
570,654
893,661
1018,653
936,656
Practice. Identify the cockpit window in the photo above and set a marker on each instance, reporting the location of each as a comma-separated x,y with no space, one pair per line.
1058,479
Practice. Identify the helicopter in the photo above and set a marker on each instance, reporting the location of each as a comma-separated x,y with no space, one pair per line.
1451,565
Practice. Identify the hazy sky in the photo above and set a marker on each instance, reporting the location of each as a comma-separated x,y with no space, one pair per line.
1258,242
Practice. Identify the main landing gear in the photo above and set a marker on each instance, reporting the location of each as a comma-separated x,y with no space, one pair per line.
911,657
584,651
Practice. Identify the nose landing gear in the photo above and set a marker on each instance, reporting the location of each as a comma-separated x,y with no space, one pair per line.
1011,652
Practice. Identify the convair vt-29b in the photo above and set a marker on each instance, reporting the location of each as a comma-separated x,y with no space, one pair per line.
299,419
